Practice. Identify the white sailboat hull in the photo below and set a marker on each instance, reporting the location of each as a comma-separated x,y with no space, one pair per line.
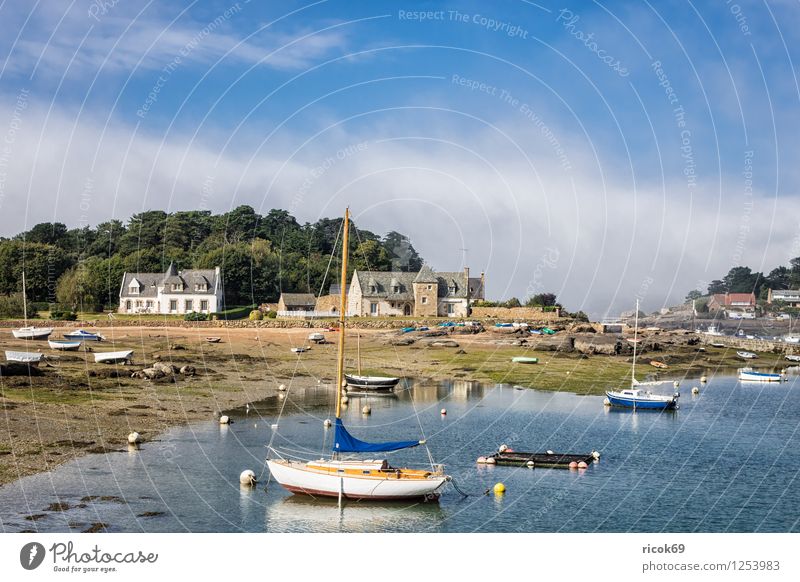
32,332
297,477
64,346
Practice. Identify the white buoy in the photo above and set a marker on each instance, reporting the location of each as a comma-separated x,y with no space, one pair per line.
530,464
366,409
695,390
247,478
549,452
606,402
134,438
676,383
490,461
503,448
345,400
327,423
595,455
703,379
224,420
282,387
481,460
443,412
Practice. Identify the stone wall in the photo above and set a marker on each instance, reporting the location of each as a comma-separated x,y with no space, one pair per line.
752,344
511,313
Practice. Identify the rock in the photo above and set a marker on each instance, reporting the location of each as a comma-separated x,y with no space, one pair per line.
152,373
188,370
598,344
443,344
403,341
460,352
176,347
583,328
165,369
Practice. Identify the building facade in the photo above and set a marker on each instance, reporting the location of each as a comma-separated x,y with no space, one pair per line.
789,296
426,293
735,305
172,292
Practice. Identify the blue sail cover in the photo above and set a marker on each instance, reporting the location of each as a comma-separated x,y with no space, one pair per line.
344,442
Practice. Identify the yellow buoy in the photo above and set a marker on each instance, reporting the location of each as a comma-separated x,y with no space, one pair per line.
499,489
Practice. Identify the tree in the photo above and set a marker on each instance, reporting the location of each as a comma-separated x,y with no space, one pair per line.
513,302
74,289
145,231
778,278
403,254
48,233
371,256
542,300
716,286
693,296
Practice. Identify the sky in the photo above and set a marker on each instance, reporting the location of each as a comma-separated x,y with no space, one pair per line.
603,151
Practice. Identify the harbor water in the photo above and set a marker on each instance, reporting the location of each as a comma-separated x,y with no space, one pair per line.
727,460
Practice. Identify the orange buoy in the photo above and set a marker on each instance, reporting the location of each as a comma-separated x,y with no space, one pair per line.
582,465
573,465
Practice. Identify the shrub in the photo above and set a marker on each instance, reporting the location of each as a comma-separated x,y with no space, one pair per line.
63,315
256,315
12,306
272,314
195,316
235,312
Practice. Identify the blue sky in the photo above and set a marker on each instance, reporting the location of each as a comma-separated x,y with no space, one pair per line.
599,150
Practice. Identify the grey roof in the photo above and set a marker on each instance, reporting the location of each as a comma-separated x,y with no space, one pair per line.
425,275
298,299
449,279
152,281
384,283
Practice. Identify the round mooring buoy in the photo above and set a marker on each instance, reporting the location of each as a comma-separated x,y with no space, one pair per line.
606,402
703,379
503,448
282,387
247,478
595,455
134,438
582,465
224,420
443,412
327,423
695,390
490,461
530,464
499,489
573,465
481,460
366,410
676,383
345,400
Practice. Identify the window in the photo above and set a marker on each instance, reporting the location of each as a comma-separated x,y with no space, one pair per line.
134,289
450,309
138,303
173,305
188,305
372,289
396,289
128,305
149,305
424,300
177,287
373,309
452,289
204,305
201,287
430,287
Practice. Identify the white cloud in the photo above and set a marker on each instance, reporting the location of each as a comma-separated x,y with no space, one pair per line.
588,235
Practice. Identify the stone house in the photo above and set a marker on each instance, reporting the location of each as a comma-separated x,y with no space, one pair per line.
176,292
426,293
296,302
733,303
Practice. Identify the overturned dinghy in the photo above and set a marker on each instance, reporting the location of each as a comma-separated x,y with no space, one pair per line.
548,459
112,357
29,358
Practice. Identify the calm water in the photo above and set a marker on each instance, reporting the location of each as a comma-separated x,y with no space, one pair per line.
728,460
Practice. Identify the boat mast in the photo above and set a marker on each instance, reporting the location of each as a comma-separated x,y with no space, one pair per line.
635,341
342,311
24,301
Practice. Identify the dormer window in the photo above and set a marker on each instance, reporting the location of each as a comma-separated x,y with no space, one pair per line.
201,287
396,289
372,289
177,287
134,289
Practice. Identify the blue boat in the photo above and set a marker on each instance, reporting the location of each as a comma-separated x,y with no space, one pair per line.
409,329
83,335
634,397
637,398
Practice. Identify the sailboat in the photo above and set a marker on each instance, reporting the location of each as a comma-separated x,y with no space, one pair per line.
373,384
634,397
29,331
347,478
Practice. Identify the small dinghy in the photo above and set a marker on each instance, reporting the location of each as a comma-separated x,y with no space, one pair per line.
213,340
524,360
746,355
372,383
793,357
29,358
316,337
32,332
112,357
750,375
657,364
300,350
64,346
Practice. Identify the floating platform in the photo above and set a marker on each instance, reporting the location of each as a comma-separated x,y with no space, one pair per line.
546,460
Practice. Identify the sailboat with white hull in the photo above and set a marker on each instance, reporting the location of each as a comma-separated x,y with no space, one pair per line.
29,331
359,479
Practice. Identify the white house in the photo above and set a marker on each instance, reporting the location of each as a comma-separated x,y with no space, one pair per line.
171,292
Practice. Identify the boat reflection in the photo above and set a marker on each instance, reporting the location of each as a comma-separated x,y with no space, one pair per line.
302,513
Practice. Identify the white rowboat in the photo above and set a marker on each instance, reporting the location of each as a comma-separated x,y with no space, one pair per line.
30,358
112,357
63,346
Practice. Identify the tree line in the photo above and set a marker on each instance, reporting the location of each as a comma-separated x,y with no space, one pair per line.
260,255
745,280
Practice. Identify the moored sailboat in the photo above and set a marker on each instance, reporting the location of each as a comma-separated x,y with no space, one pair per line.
345,478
